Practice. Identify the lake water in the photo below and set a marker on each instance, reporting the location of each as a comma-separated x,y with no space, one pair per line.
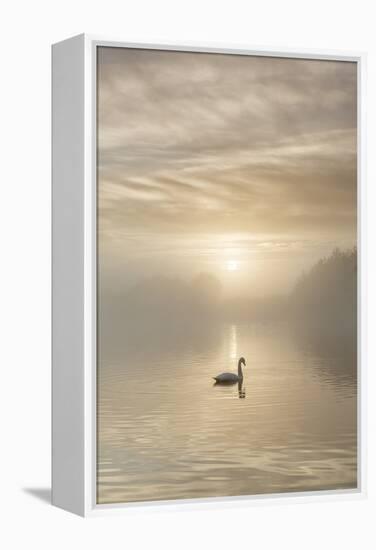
166,432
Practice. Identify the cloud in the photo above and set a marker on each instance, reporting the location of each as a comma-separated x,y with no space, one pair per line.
207,145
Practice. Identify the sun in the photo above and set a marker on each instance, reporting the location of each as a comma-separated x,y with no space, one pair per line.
232,265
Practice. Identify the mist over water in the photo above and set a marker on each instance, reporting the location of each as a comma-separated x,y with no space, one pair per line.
165,432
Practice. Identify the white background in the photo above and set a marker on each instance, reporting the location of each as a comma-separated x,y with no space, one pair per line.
27,30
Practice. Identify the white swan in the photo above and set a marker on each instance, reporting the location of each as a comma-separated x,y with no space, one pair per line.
230,377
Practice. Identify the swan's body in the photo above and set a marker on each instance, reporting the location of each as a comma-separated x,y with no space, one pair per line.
231,377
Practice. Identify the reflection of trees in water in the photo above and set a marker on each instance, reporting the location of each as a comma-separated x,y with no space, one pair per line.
336,355
151,337
161,314
198,336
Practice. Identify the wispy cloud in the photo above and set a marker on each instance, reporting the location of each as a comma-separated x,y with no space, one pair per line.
209,145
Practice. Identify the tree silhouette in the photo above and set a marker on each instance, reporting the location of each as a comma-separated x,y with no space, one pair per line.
325,297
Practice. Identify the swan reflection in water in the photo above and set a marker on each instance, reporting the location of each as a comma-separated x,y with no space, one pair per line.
230,378
241,390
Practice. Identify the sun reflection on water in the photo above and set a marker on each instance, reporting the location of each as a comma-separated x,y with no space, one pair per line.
233,342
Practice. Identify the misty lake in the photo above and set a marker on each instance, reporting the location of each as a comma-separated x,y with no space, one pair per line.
166,432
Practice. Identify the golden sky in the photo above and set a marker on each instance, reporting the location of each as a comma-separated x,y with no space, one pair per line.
208,159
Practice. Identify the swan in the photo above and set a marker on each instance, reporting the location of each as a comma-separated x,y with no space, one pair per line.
230,377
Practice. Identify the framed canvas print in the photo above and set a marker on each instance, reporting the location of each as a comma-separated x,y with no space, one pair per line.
207,278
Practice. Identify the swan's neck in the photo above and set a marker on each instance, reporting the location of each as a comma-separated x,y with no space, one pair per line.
240,372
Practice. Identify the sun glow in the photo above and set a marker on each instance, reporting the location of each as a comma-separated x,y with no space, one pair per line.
232,265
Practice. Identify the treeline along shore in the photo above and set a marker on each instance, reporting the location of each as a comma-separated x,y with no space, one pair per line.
322,301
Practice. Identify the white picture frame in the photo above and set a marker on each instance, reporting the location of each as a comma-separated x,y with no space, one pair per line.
74,276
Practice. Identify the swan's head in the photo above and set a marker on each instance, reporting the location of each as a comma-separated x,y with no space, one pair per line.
242,361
